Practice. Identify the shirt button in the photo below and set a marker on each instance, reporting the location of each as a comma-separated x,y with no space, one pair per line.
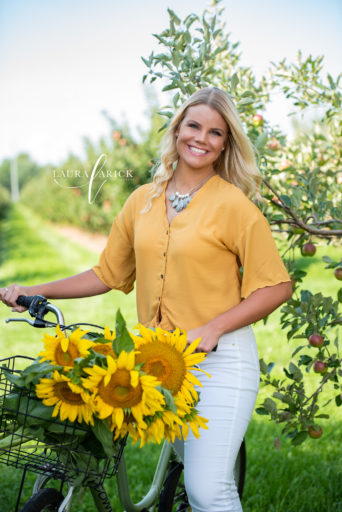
164,253
162,276
167,232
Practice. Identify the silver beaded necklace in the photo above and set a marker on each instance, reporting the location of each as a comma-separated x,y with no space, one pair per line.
181,201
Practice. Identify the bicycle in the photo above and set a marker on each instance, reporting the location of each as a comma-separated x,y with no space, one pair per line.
166,492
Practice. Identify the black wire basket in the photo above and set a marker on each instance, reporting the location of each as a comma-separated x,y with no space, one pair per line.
65,461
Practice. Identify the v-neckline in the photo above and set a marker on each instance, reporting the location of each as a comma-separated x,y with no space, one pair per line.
185,209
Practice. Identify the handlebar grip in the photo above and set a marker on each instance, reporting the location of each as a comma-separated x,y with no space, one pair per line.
24,300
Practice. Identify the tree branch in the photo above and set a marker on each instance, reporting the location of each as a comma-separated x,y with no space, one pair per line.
300,223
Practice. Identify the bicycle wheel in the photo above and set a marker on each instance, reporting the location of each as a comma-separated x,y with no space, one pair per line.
173,497
46,500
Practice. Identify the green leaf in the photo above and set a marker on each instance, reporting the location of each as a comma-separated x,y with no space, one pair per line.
168,87
234,82
105,436
123,341
169,401
173,16
299,438
165,113
263,367
286,199
270,405
261,140
261,410
297,374
339,295
15,379
246,101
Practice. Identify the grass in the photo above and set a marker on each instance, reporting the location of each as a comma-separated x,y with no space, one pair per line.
306,478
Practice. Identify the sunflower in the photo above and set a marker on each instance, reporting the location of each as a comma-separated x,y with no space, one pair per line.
64,350
106,349
164,355
120,388
70,400
194,421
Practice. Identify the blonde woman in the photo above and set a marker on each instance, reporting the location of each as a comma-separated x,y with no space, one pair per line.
184,239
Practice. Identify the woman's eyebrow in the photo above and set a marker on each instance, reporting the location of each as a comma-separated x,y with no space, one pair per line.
199,124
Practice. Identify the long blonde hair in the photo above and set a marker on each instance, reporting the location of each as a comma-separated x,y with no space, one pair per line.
236,164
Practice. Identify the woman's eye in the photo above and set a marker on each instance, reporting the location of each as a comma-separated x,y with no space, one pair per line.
192,125
216,133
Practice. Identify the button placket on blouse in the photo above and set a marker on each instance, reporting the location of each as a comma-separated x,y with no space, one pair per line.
162,276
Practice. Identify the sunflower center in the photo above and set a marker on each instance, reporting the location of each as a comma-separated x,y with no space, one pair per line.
163,361
64,393
66,358
158,367
119,392
103,348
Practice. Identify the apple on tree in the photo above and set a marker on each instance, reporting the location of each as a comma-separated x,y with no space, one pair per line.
308,249
315,431
319,367
338,273
257,120
316,340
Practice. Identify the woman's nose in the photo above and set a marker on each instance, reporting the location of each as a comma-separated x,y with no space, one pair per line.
201,136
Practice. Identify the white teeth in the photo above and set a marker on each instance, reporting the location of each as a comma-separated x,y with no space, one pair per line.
196,150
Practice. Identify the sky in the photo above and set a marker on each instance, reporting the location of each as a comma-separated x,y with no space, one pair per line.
63,63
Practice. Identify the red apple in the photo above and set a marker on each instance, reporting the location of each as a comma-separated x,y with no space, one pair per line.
116,135
315,432
319,367
316,340
308,249
284,164
338,273
257,120
273,144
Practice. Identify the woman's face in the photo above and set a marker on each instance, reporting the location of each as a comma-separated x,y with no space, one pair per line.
201,137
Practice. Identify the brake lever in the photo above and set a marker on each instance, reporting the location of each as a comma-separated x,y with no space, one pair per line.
37,322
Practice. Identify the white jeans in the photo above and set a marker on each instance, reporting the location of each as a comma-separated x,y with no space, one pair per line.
227,400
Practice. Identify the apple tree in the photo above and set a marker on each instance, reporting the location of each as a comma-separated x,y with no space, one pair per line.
302,187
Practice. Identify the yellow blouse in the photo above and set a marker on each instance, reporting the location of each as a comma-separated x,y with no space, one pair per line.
187,273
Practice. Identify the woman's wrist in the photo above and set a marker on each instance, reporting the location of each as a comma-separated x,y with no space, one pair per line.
217,326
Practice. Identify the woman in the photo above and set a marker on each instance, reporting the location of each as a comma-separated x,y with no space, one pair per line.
183,239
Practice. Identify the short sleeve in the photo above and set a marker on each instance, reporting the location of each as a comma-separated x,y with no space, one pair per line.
258,253
116,267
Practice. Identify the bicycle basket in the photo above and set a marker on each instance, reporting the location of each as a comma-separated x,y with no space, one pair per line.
66,460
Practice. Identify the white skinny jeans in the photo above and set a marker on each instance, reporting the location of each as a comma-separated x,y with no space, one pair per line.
227,399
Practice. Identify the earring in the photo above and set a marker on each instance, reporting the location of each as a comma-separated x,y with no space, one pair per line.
222,149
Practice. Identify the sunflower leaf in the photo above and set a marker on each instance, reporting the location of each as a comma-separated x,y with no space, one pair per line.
103,433
169,401
123,340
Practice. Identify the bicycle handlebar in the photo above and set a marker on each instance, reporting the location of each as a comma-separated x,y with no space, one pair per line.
38,306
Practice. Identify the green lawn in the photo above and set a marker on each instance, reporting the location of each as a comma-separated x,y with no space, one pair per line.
306,478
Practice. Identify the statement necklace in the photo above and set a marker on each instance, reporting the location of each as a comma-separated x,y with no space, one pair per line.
181,201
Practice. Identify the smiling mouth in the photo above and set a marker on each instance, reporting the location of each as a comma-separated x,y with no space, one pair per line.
196,151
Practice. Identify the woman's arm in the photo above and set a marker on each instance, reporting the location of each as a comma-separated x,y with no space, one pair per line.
85,284
258,304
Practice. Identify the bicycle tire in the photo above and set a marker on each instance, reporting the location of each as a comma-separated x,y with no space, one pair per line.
173,493
46,500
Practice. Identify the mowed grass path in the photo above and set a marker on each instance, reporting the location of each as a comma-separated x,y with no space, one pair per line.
290,479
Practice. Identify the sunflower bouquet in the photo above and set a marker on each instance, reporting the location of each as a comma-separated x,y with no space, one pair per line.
91,390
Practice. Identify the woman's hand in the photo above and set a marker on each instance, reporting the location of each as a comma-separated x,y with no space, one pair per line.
10,294
209,338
